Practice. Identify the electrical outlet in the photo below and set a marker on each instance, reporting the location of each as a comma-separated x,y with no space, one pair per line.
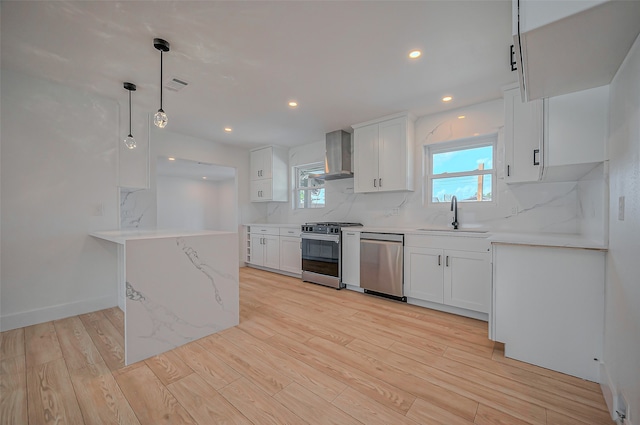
621,208
514,210
395,211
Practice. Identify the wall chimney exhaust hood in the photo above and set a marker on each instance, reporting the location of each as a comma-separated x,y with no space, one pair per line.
337,163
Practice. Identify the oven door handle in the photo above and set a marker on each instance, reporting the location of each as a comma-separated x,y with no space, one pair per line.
320,237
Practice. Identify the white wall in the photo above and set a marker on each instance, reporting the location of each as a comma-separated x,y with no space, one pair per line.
548,207
622,312
185,203
59,173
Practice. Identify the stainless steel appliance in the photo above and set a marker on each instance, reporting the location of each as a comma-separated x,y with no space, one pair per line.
382,265
322,253
338,156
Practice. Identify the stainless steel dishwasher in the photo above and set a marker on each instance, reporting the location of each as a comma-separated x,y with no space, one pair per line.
382,265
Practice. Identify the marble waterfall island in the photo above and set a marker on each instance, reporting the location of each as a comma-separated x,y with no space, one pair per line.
174,287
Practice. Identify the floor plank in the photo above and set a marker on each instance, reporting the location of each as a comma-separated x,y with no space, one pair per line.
151,400
100,398
51,398
424,412
257,405
369,411
168,367
204,403
41,344
106,338
306,404
210,368
12,343
13,390
76,344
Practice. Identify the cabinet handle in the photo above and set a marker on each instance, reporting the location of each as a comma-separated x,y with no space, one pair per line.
351,234
439,259
374,183
380,182
447,261
535,155
508,170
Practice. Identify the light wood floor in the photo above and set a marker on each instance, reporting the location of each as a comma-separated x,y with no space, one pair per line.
301,354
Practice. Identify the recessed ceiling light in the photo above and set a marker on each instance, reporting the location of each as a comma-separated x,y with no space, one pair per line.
476,134
293,104
415,54
171,158
447,99
461,117
204,178
228,129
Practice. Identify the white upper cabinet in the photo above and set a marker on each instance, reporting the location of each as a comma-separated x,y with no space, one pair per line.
567,46
559,139
269,174
383,154
576,127
523,138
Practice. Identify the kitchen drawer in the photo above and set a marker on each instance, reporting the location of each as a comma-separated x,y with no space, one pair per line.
290,231
264,230
459,243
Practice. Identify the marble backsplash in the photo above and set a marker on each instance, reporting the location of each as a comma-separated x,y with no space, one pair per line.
543,207
137,209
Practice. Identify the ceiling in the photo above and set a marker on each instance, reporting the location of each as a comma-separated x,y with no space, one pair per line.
344,62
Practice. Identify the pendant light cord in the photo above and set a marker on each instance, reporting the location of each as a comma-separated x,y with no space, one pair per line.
161,81
130,114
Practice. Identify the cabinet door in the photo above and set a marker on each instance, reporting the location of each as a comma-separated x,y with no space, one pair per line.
467,280
523,132
257,250
351,258
272,252
423,273
261,190
392,155
290,254
365,163
261,164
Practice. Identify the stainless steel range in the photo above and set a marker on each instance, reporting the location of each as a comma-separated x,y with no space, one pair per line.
322,253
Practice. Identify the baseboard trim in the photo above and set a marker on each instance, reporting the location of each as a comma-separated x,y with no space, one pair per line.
60,311
449,309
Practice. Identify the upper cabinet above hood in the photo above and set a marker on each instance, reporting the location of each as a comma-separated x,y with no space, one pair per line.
567,46
338,156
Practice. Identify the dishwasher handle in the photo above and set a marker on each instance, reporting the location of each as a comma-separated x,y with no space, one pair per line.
387,237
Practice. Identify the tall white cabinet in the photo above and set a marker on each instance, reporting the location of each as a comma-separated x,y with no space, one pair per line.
523,134
269,174
351,258
383,154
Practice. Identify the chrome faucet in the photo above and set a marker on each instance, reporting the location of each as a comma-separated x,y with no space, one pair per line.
454,208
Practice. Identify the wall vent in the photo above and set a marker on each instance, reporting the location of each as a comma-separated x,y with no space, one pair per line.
175,84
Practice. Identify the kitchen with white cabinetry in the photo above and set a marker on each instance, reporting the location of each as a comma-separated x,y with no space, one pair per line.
526,313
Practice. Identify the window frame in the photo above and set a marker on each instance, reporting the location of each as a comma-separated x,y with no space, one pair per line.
458,145
296,185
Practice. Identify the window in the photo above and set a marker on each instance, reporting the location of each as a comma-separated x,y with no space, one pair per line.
309,189
463,168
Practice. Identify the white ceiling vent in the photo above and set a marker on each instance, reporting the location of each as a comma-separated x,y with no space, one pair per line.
175,84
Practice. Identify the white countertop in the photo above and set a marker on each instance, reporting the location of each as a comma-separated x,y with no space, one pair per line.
560,240
469,233
121,236
288,226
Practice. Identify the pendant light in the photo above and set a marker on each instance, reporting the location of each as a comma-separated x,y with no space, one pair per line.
129,141
160,118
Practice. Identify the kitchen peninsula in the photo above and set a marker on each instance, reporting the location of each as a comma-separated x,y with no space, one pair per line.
174,286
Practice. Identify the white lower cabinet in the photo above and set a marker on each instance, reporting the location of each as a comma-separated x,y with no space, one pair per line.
290,254
549,306
274,247
265,251
458,278
351,258
423,274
